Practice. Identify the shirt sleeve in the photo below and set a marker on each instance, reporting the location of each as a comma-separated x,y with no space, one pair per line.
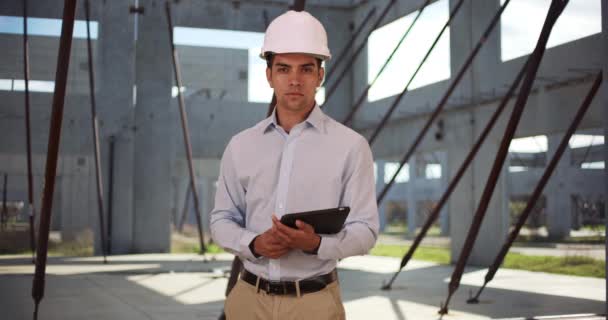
361,227
228,216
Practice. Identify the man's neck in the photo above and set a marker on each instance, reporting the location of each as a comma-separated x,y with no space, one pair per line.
288,119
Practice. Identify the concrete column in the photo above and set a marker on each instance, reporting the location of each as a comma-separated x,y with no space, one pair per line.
154,127
76,215
465,30
558,193
379,185
207,197
339,34
115,70
464,202
412,206
464,34
444,215
180,191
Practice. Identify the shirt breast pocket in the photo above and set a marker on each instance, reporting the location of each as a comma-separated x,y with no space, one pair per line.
315,189
260,185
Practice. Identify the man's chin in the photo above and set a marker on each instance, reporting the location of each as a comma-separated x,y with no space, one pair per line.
297,105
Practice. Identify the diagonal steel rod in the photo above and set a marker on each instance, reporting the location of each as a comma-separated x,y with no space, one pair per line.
358,51
4,213
434,214
587,151
185,130
444,100
28,138
392,108
61,76
555,10
95,127
540,186
298,5
363,95
341,56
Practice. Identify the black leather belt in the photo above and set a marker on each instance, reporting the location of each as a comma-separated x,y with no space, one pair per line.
308,285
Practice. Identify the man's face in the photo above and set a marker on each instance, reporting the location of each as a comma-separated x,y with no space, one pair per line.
295,78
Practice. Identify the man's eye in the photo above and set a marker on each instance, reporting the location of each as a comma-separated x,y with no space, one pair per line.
282,69
308,70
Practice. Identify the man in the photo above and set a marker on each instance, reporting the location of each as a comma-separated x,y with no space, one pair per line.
296,160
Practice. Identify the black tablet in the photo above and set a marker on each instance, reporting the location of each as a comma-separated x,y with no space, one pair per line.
326,221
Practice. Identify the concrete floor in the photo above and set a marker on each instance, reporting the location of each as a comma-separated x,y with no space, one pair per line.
184,287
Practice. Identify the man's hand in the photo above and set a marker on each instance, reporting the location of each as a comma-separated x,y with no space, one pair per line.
303,238
268,244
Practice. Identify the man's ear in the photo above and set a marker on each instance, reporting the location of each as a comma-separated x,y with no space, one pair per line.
321,76
269,77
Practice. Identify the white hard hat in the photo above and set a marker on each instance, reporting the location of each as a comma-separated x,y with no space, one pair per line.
296,32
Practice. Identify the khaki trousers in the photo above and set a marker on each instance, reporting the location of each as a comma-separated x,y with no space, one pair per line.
245,303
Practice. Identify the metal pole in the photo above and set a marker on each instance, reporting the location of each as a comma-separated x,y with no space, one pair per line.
363,95
441,105
95,127
298,5
434,214
555,10
341,56
358,51
405,90
4,213
540,186
605,147
28,138
111,192
63,62
185,130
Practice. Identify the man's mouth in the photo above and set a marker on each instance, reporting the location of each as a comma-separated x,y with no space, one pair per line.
296,94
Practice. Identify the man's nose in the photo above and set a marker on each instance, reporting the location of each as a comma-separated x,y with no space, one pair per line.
294,79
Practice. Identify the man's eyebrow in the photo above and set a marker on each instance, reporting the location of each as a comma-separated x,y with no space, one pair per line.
280,64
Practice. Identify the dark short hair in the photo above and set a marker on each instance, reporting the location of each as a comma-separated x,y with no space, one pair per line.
270,59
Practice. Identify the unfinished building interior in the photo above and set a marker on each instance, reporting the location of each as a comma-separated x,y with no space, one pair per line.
422,80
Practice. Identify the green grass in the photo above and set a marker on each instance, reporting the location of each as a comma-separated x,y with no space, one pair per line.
192,247
400,229
439,255
571,265
592,239
63,249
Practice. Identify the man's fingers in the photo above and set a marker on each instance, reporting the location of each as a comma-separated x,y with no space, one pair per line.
283,228
304,226
277,253
284,238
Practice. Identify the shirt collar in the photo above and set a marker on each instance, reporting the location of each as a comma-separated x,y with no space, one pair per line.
315,119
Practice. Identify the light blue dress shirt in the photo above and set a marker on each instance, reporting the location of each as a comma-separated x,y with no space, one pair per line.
320,164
